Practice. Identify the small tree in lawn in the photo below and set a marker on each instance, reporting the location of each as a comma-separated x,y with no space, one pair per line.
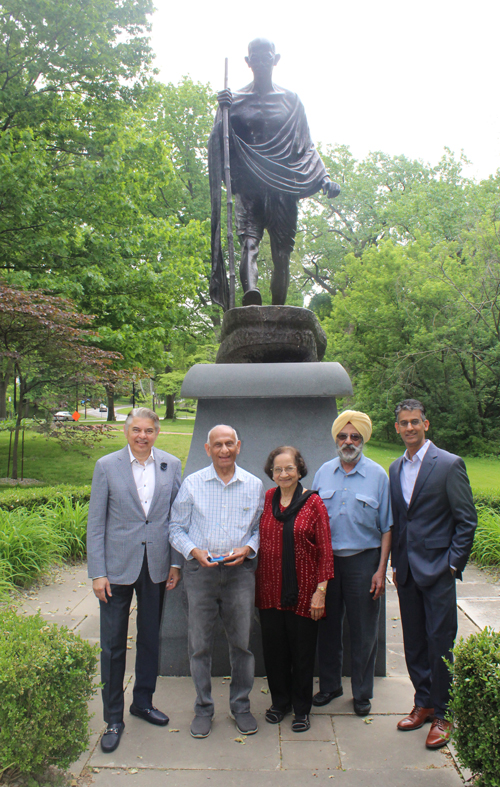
48,344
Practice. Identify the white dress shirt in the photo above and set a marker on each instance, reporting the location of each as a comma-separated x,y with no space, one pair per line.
410,469
209,514
144,477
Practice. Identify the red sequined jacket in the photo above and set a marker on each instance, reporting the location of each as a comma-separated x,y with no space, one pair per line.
313,554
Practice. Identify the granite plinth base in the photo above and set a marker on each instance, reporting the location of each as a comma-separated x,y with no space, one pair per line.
271,334
268,405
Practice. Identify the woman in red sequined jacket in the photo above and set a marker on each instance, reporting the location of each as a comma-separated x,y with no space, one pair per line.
295,564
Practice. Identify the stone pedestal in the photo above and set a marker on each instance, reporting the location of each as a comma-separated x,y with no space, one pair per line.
271,334
268,404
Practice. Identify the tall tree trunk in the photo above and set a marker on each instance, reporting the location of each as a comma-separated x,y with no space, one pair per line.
4,382
170,406
111,405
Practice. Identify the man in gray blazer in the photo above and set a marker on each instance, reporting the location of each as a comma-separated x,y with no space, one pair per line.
434,524
128,549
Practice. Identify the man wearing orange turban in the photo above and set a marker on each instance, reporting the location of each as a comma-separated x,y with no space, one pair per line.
355,491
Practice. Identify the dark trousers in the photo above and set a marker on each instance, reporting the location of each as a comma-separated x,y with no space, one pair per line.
349,591
429,620
114,628
289,646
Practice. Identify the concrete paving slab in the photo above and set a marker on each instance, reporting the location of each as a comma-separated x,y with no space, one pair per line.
147,746
379,745
483,611
391,695
113,777
309,755
173,693
321,729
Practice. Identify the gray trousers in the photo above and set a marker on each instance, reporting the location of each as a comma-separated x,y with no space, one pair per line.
349,591
230,593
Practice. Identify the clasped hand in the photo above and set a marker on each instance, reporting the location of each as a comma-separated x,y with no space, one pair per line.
330,188
236,557
225,98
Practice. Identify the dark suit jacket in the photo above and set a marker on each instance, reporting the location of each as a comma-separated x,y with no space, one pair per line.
436,530
118,531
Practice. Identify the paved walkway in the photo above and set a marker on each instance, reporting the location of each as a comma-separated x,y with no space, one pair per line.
340,748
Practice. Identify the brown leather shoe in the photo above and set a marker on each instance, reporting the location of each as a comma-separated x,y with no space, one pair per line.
416,718
439,734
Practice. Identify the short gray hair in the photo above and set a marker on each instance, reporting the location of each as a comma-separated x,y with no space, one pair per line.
410,404
224,426
143,412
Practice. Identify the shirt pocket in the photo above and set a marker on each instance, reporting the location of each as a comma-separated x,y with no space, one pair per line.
366,510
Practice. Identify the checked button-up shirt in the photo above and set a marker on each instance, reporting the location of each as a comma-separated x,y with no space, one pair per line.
208,514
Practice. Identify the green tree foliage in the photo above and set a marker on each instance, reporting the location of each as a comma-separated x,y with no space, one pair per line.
405,276
101,173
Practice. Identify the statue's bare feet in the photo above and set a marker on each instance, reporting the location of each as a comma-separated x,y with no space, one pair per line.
252,298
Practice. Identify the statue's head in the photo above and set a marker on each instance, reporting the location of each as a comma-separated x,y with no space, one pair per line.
262,55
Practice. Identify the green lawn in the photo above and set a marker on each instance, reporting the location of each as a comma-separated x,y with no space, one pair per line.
46,461
484,474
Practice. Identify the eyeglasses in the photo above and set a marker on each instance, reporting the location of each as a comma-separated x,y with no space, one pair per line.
414,422
288,470
342,436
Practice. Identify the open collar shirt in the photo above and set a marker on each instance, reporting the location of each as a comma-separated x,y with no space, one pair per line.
209,514
144,477
410,469
358,504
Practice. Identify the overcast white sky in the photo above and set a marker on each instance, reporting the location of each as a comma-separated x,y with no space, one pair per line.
402,77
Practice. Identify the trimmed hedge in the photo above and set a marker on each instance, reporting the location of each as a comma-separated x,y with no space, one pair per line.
475,705
46,681
43,495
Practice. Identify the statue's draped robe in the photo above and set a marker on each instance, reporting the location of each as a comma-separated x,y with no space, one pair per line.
286,161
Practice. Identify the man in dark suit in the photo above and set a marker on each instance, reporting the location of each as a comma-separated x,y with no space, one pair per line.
434,524
128,549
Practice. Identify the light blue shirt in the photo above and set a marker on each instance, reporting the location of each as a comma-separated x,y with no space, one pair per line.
358,504
209,514
410,469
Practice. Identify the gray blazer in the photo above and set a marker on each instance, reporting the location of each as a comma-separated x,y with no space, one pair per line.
118,532
436,530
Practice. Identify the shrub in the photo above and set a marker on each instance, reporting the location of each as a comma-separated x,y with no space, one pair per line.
28,545
46,680
68,518
43,495
491,499
486,546
475,705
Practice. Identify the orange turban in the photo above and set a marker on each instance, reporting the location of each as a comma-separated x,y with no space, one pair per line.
360,420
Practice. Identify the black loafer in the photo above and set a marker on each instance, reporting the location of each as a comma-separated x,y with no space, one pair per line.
111,738
362,707
324,697
153,715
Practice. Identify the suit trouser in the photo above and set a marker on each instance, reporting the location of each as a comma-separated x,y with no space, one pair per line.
429,620
114,628
289,645
349,592
228,592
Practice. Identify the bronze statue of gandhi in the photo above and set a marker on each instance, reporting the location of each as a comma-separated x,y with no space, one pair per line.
273,164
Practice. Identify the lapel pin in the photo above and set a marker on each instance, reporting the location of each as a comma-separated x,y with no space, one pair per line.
163,466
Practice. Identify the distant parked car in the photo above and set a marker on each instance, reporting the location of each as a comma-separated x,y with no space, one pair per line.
103,408
63,415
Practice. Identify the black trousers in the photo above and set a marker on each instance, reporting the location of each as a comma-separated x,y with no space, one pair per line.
289,646
429,620
114,628
349,591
